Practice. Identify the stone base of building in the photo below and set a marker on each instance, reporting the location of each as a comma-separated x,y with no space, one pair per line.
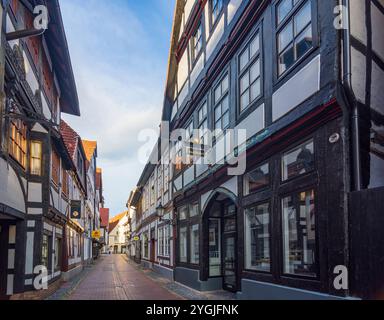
164,271
191,278
70,274
254,290
38,295
146,264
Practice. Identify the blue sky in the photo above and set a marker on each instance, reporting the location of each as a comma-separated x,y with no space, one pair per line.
119,53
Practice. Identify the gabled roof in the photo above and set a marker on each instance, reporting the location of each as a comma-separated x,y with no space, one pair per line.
90,148
58,46
104,215
70,137
72,142
115,220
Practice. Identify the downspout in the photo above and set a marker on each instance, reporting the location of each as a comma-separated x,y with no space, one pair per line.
347,84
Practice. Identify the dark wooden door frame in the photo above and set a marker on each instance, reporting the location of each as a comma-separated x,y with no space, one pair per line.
3,259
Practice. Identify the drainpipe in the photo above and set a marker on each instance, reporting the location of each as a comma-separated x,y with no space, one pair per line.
347,83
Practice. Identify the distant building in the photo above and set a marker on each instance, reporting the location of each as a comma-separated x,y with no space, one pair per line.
118,227
104,226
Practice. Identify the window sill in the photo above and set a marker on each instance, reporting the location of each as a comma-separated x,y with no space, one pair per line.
299,64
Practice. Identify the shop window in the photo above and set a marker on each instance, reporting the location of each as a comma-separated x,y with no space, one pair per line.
183,213
195,244
257,238
183,245
57,254
214,238
146,246
298,161
299,234
45,251
194,210
256,179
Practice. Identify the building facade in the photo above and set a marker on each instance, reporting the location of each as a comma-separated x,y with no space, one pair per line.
118,228
280,107
41,172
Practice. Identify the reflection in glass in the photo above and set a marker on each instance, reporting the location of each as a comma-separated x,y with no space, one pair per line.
299,161
299,233
214,238
256,179
257,238
183,244
195,244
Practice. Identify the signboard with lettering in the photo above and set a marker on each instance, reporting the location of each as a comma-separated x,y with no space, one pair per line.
75,209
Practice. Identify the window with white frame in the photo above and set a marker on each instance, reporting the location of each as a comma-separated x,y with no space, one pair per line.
160,241
295,34
250,75
160,181
164,241
167,241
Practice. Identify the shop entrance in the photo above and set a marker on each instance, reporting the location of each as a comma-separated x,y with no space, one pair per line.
221,226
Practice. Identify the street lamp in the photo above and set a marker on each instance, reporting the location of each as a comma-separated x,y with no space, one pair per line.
160,210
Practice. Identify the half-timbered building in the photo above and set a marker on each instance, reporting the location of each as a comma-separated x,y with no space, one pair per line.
301,84
38,87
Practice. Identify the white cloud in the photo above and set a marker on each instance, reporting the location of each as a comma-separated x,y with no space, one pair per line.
120,70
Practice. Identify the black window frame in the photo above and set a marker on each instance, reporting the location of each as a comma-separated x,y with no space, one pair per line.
275,194
188,223
196,55
224,94
277,28
213,22
268,201
262,188
257,32
290,150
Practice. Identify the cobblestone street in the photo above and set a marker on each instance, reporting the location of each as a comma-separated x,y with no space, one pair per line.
114,277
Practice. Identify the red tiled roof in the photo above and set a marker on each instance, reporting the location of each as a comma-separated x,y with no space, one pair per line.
115,221
70,138
89,148
104,215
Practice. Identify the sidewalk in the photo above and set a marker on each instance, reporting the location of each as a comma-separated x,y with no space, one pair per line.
181,290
